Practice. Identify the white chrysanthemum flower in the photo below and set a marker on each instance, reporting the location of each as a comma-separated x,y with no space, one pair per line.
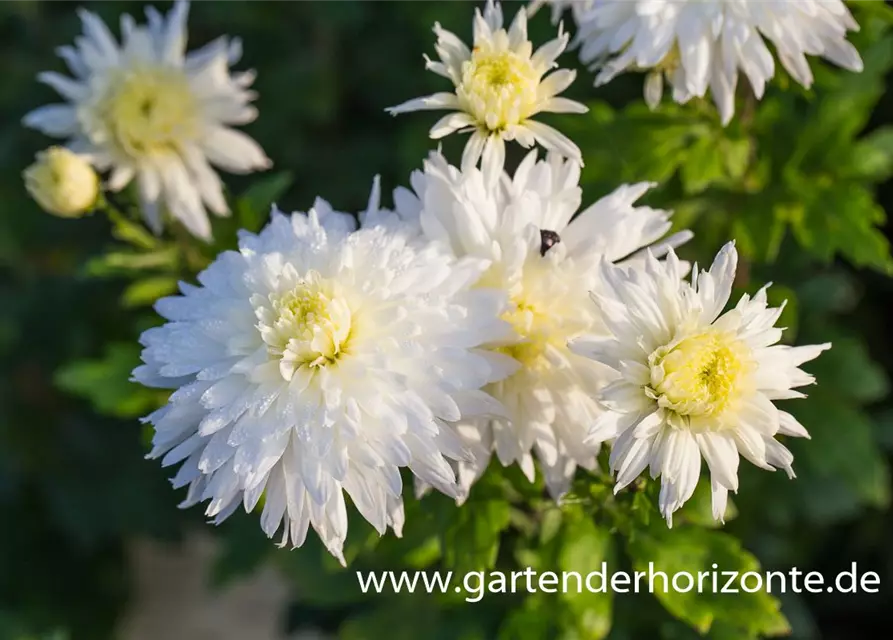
316,361
558,7
546,264
500,85
693,382
701,44
144,110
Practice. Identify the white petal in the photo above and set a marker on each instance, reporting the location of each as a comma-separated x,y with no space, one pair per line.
233,150
58,120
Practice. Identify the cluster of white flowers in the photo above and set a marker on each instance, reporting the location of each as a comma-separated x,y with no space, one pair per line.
699,44
487,312
144,110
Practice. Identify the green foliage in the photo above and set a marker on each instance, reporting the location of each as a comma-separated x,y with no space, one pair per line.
789,164
583,549
698,551
254,205
472,541
106,382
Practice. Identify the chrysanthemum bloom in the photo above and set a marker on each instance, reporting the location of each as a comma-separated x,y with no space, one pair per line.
500,85
146,111
558,7
701,44
546,264
62,183
317,361
693,382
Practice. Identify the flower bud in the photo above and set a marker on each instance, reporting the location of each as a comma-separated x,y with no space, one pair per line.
63,183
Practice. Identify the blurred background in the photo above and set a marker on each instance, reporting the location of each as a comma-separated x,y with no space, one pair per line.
92,545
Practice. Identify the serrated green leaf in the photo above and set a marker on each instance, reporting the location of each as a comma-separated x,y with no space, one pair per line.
842,112
637,144
843,218
692,550
703,165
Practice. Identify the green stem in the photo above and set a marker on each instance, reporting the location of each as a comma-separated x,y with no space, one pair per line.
123,228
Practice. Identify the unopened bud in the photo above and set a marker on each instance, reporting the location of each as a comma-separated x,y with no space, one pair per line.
63,183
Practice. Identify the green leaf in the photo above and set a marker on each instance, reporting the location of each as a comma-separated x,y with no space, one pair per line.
126,262
550,525
254,205
637,144
759,232
871,9
691,550
471,543
148,290
871,157
843,218
738,154
584,550
132,232
421,543
537,618
704,164
105,382
842,112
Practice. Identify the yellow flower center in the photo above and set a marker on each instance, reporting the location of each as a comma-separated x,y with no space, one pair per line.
499,88
150,110
309,325
700,375
535,330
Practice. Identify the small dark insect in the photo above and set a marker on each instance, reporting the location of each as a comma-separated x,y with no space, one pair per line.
549,240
